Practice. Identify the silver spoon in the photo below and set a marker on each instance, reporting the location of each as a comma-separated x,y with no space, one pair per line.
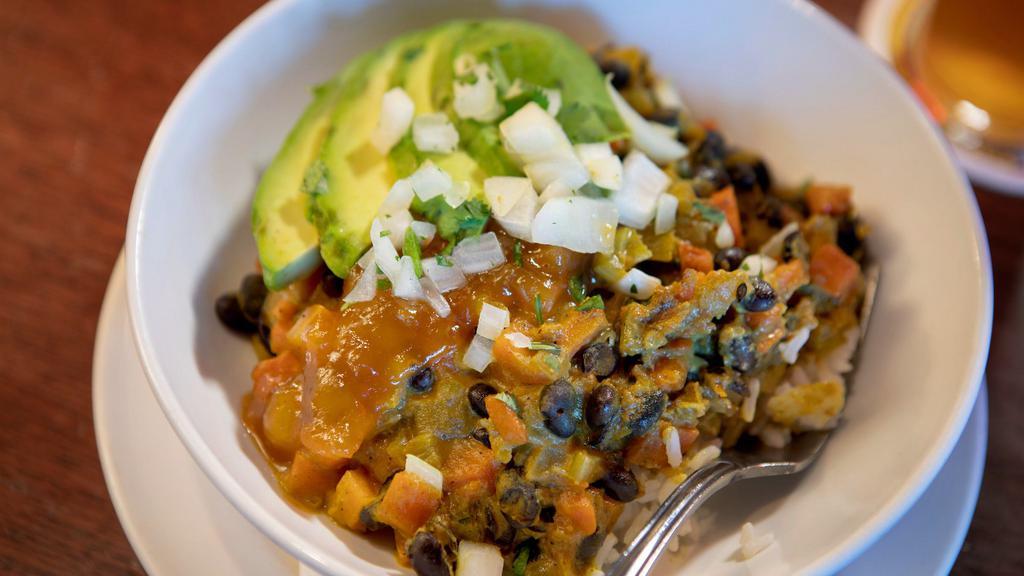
733,465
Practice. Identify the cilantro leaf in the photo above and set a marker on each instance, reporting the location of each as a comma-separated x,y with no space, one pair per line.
411,248
576,289
594,302
591,190
709,213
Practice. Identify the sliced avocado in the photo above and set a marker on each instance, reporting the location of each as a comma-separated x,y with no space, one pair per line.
286,240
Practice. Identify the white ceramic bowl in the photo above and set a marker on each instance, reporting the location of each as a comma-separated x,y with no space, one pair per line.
779,76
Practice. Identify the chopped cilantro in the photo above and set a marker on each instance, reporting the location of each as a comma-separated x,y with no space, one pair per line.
552,361
632,289
454,224
594,302
385,233
576,289
544,346
709,213
529,94
443,260
538,309
517,253
591,190
411,248
526,551
383,284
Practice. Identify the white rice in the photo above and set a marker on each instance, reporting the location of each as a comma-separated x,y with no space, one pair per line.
754,548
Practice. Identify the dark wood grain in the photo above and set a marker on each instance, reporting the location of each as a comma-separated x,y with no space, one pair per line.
83,87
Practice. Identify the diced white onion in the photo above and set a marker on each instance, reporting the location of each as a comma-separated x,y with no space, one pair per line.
425,231
399,198
773,247
396,225
666,96
518,221
434,297
655,143
673,447
434,133
502,192
578,223
464,64
479,354
429,181
642,183
554,100
532,135
396,111
479,100
365,288
556,189
445,278
665,215
478,253
457,194
366,260
790,349
518,339
724,237
593,151
756,264
422,469
407,285
476,559
637,284
567,169
492,321
606,172
750,402
384,253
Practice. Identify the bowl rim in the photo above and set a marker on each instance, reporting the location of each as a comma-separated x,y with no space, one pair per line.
322,560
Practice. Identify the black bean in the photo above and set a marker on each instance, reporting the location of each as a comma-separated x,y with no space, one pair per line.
714,176
794,247
729,259
332,285
846,235
500,529
480,435
477,394
588,547
368,519
770,209
713,147
518,499
743,177
684,168
602,407
251,296
423,380
230,314
643,413
599,359
762,298
741,291
764,176
426,555
741,353
620,484
619,71
558,405
263,330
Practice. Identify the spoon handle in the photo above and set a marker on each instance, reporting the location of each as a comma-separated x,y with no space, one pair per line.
642,553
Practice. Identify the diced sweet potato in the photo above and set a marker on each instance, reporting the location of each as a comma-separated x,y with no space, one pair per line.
669,374
573,331
575,508
506,422
355,491
282,316
469,461
831,200
647,451
282,420
725,200
522,365
786,278
307,481
408,503
687,436
268,376
833,270
691,256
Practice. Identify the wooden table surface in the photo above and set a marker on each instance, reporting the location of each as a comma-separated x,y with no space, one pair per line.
82,88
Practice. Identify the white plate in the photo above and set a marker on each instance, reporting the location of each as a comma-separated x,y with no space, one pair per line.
875,28
178,523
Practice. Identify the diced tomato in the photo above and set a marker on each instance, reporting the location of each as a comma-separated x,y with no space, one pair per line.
408,503
505,421
575,508
469,461
691,256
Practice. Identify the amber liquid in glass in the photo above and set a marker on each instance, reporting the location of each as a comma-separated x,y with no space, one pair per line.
965,59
